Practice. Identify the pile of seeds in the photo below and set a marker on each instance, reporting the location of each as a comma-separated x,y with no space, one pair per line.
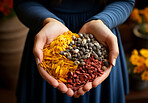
75,59
84,74
90,55
82,47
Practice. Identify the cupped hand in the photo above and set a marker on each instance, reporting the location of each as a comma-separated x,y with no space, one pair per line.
104,35
51,29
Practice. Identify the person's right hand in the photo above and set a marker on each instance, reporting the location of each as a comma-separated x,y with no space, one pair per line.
51,29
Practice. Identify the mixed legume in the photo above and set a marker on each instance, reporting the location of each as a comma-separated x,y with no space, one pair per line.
75,59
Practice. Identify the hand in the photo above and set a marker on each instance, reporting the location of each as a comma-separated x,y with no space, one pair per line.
52,28
104,35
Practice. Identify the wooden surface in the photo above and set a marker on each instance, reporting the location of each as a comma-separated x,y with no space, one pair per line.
137,96
7,96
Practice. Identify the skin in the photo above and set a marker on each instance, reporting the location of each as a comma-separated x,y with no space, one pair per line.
52,28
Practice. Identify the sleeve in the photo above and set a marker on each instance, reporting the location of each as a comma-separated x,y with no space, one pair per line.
32,13
115,13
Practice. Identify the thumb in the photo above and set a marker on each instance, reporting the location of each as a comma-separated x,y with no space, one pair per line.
113,49
82,30
39,43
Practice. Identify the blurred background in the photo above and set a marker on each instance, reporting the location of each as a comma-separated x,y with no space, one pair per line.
134,35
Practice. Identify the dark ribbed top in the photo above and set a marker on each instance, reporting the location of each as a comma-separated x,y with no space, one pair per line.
33,12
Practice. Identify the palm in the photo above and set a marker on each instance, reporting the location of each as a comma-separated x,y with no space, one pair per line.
108,39
51,30
44,37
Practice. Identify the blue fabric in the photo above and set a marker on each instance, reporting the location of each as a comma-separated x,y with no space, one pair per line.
32,88
115,13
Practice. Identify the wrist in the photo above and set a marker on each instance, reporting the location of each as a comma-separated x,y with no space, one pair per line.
93,23
98,21
47,20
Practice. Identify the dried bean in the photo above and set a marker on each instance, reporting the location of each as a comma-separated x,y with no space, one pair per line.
61,52
74,47
104,68
83,50
67,50
92,57
73,37
84,41
91,36
72,42
79,39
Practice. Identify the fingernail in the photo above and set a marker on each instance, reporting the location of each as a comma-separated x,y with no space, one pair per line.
37,61
77,96
114,62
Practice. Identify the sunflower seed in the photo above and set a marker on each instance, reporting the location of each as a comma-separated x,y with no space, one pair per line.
91,36
76,51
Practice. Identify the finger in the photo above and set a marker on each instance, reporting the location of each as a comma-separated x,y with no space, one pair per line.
76,95
113,48
100,79
70,92
81,91
62,87
39,43
87,86
51,80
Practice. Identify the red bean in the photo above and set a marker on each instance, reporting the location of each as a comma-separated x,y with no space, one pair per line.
84,74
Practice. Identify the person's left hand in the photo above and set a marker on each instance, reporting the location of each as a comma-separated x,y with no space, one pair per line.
104,35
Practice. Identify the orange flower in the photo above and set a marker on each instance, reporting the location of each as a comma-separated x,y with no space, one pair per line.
146,62
135,16
137,60
144,52
146,9
144,12
144,75
146,30
141,60
139,69
134,59
146,17
135,52
141,12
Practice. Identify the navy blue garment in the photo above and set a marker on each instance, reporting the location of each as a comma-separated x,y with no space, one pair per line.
32,88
